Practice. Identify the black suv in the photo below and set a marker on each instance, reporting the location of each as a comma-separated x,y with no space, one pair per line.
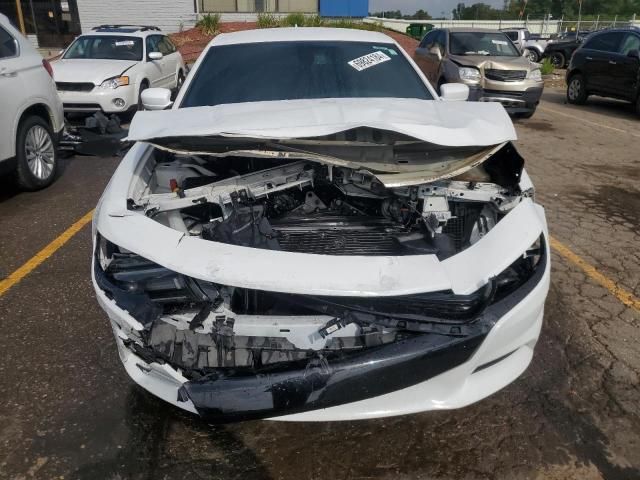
607,64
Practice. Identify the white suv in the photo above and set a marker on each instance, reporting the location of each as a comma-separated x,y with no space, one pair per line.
31,117
108,68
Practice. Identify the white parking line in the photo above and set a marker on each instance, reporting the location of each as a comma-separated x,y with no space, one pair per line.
595,124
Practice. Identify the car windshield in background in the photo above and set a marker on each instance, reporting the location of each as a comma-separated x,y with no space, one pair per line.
482,43
107,47
303,70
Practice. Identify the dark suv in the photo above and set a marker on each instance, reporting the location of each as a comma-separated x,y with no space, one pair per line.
607,64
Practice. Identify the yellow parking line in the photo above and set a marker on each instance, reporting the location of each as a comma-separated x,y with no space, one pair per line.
583,120
43,254
626,297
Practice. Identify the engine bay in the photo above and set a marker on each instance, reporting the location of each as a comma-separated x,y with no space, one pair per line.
309,207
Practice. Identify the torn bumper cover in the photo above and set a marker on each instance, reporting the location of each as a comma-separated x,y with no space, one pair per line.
349,386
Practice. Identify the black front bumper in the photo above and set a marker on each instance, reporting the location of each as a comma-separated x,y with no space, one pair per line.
514,102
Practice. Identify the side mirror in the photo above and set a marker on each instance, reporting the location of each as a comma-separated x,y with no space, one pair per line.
454,92
634,54
155,55
435,50
156,98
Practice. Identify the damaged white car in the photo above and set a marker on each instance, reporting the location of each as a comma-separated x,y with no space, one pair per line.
311,233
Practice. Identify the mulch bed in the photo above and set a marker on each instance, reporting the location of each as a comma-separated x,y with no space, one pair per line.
191,42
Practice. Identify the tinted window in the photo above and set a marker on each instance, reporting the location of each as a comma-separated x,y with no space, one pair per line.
482,43
630,42
165,46
153,42
169,44
303,70
606,42
441,40
428,39
512,35
107,47
8,44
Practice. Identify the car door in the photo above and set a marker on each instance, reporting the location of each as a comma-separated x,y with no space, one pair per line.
600,52
172,60
625,71
155,68
12,91
170,57
425,59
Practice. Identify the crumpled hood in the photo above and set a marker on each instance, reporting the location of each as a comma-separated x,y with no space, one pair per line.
88,70
482,62
455,124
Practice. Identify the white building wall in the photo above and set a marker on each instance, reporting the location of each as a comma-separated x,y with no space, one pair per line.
168,15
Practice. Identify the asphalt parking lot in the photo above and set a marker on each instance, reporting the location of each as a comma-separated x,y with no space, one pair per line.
68,409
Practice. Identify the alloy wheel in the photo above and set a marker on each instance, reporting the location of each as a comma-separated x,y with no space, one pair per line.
575,89
39,151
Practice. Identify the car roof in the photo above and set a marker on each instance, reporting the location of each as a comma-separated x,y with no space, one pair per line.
140,31
302,34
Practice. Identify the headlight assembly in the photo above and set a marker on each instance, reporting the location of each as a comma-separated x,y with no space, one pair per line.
535,75
115,82
469,74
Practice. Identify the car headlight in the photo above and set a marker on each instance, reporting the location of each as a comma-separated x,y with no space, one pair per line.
469,74
516,274
115,82
535,75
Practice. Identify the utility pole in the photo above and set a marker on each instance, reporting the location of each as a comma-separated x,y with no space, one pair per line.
20,17
579,17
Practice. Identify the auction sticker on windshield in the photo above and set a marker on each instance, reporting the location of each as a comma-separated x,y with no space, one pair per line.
368,61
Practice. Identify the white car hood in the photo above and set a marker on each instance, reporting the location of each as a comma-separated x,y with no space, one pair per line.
455,124
88,70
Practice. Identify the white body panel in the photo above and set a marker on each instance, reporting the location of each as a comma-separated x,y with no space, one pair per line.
24,83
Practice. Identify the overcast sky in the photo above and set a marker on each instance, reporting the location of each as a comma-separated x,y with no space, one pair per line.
434,7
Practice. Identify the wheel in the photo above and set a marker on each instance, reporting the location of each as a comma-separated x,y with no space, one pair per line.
37,158
532,55
143,86
576,90
558,59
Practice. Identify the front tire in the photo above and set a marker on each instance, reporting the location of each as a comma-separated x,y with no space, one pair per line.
558,60
36,154
532,55
577,90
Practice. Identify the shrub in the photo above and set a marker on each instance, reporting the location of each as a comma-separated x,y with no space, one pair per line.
314,21
209,23
547,67
266,20
293,20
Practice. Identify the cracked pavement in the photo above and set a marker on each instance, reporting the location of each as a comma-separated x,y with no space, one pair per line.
68,409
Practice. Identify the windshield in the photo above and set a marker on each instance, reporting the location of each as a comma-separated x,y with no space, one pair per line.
303,70
482,43
107,47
